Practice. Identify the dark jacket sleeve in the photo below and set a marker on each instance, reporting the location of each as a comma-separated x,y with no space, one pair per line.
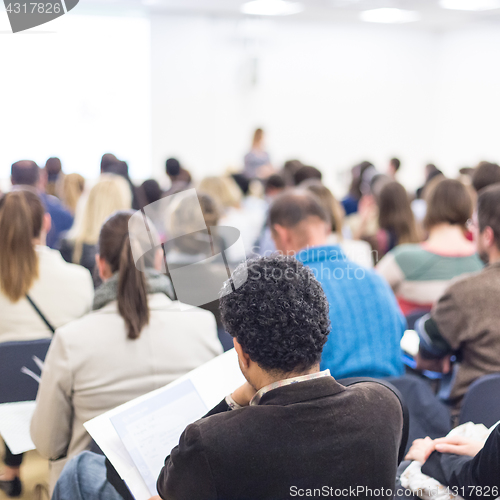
477,477
187,474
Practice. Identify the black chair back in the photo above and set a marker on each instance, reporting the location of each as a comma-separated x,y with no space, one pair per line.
481,404
20,369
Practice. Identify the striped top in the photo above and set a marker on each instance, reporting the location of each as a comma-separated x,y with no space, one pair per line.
419,277
366,323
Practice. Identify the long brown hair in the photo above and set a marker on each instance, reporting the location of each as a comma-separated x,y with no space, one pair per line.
21,220
115,249
396,215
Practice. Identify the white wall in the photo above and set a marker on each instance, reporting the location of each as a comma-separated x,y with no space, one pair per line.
329,95
468,97
76,88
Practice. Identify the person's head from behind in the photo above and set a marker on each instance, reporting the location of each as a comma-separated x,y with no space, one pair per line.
25,172
362,175
332,207
23,225
289,169
298,220
448,204
53,168
394,166
278,319
115,257
184,224
274,185
110,194
152,190
486,228
305,173
172,168
395,213
72,189
107,161
485,175
223,190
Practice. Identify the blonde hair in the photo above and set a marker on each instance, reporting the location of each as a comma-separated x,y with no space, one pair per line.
223,190
110,194
328,201
21,220
72,188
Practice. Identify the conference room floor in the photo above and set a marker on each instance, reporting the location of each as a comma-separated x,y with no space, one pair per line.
35,470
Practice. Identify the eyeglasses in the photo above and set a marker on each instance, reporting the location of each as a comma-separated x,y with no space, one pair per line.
471,224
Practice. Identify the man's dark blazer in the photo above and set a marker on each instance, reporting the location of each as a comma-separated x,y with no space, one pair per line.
315,434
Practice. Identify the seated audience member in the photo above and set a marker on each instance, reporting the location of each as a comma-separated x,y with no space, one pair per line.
431,172
420,273
469,467
273,186
393,168
72,189
110,194
136,340
55,176
228,197
466,319
257,163
110,164
357,251
362,175
152,191
395,224
180,179
37,288
27,173
485,174
288,171
305,173
367,325
290,429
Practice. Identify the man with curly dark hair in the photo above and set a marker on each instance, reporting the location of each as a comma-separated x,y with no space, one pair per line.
290,430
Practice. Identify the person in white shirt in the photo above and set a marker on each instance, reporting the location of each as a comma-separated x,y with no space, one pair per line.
134,341
31,271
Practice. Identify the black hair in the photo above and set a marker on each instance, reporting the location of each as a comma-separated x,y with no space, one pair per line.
172,167
306,172
279,314
243,182
274,181
152,190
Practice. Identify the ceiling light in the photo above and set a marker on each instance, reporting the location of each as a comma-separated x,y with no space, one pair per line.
271,8
470,4
389,15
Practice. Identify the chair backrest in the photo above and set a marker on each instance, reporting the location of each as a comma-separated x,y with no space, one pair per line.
481,404
20,369
428,415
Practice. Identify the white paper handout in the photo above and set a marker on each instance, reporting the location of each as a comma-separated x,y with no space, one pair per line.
15,420
137,437
148,429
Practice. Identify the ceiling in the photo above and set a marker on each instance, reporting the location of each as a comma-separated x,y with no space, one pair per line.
336,11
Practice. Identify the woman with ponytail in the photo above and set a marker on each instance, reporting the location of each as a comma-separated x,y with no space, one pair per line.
136,340
38,290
